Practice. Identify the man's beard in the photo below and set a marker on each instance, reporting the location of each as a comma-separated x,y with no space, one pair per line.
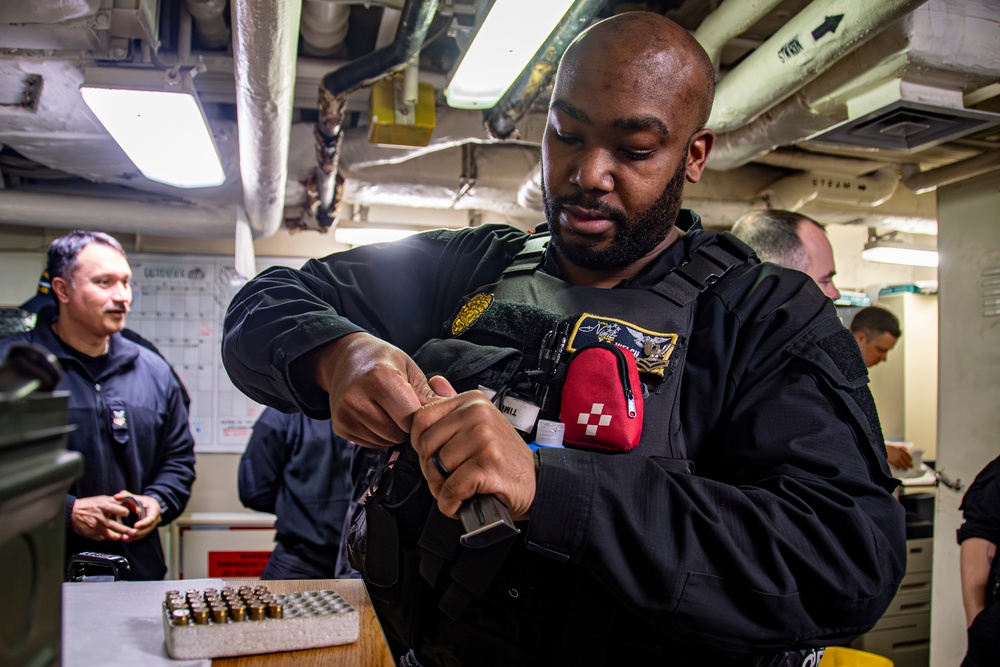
634,238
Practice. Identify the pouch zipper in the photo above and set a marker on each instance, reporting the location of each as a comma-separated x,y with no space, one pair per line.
622,372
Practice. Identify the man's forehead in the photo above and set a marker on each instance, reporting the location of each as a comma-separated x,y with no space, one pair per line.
98,257
627,123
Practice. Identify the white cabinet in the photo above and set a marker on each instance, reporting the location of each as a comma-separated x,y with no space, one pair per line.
903,633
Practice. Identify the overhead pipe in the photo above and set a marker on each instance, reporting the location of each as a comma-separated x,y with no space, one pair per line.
324,26
529,193
794,192
932,179
817,106
265,45
730,20
455,127
818,36
325,189
805,161
387,27
127,216
908,49
540,72
209,22
184,24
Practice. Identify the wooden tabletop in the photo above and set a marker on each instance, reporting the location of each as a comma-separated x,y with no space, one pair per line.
370,650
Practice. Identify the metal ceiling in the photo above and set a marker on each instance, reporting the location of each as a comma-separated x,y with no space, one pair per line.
821,106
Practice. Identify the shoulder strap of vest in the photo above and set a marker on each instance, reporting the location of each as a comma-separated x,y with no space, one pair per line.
703,268
529,258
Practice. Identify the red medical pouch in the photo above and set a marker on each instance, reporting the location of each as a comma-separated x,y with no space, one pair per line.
602,399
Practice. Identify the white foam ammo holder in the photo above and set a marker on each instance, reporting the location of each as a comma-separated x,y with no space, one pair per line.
248,621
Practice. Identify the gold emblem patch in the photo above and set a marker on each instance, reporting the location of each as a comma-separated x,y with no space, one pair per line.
470,312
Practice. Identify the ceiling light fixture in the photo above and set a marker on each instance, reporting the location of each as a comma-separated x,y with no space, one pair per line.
157,120
888,250
502,47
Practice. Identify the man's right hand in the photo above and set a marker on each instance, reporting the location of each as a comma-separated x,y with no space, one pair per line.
98,518
374,389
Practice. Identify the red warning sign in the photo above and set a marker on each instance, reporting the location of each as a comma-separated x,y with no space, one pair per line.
237,564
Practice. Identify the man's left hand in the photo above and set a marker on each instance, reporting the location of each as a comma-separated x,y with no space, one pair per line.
148,524
899,455
478,446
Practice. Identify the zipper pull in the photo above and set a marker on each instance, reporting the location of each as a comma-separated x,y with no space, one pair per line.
630,400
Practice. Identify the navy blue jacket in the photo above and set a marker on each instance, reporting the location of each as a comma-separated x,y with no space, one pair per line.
150,451
295,468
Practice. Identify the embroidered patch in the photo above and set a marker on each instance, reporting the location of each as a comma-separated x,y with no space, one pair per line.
118,418
652,350
470,312
521,414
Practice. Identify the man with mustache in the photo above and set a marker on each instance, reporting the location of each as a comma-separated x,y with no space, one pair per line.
127,406
723,496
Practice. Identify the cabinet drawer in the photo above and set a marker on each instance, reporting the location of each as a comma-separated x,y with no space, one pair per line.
919,555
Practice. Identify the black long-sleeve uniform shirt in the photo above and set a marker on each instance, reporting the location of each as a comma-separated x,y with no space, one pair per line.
785,535
296,468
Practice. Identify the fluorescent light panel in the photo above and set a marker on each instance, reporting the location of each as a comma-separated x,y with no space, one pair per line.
163,132
511,34
898,253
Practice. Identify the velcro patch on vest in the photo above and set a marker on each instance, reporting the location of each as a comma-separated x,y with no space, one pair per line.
651,349
470,312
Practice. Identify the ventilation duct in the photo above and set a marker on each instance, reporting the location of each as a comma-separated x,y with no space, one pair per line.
908,117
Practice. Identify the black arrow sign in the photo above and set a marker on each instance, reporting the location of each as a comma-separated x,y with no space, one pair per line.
829,25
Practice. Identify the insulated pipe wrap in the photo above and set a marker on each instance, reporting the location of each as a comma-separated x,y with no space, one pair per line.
264,45
325,192
126,216
731,19
823,32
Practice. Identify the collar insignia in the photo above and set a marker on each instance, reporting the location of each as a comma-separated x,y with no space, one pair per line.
470,312
118,418
652,350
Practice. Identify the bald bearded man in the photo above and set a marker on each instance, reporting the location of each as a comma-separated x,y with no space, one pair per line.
688,520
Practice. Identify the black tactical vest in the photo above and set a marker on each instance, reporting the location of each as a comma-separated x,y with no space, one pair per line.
504,604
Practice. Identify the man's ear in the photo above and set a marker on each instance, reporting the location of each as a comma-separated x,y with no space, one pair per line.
698,149
60,288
